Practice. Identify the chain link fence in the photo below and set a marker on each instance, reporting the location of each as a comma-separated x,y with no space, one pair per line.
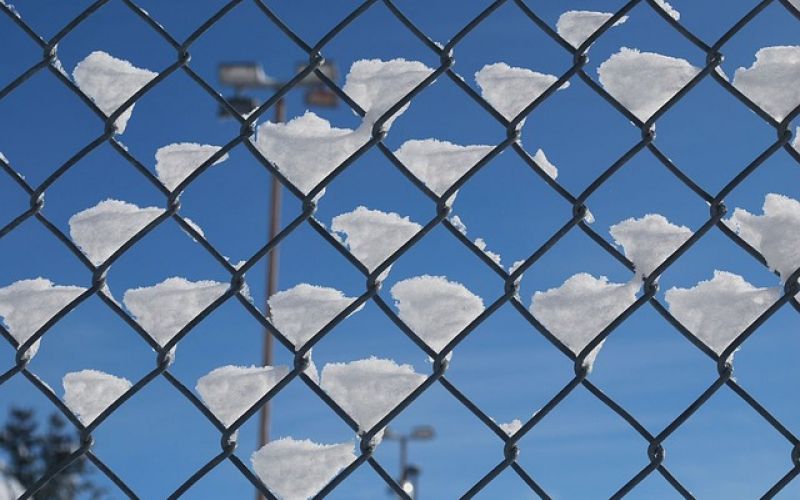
651,441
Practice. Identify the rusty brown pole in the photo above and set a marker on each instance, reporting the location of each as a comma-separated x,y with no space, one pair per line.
272,280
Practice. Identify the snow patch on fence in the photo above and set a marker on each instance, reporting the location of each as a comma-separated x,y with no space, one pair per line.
109,82
772,80
298,469
775,234
644,81
649,241
229,391
101,230
577,311
435,308
576,26
718,310
368,389
303,310
166,308
89,392
372,236
796,142
26,305
512,427
308,148
176,162
439,164
545,164
377,85
669,9
510,90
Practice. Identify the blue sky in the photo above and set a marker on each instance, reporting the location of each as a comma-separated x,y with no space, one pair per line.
581,449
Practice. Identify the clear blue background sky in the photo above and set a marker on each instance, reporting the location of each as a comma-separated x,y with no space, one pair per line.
582,449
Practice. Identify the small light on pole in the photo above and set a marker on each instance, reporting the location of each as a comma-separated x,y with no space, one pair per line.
409,474
242,75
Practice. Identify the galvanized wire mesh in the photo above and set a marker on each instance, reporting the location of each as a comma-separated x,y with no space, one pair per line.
651,441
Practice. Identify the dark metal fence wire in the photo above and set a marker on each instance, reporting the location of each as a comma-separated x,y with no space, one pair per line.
507,458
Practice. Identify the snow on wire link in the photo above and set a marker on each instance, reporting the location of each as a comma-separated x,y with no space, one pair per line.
575,36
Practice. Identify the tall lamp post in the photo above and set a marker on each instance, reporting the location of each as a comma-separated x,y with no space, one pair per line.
409,473
250,75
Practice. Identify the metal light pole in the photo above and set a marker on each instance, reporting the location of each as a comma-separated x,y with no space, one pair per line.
251,75
409,474
272,274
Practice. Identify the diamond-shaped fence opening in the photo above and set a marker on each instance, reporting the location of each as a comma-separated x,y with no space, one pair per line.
327,159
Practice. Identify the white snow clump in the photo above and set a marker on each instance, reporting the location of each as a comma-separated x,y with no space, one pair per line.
718,310
299,469
377,85
368,389
89,392
166,308
545,164
303,310
101,230
775,234
109,82
307,148
510,90
229,391
26,305
435,309
176,162
669,9
577,311
439,164
773,81
372,236
644,81
576,26
512,427
649,241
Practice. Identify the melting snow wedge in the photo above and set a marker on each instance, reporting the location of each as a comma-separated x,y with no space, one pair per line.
439,164
669,9
576,26
229,391
512,427
545,164
796,141
376,86
510,90
773,81
89,392
303,310
308,148
649,241
368,389
435,308
176,162
109,82
372,236
644,81
165,309
298,469
101,230
581,308
720,309
775,234
26,306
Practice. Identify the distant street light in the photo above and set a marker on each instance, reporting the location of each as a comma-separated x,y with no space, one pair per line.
242,75
409,474
251,75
